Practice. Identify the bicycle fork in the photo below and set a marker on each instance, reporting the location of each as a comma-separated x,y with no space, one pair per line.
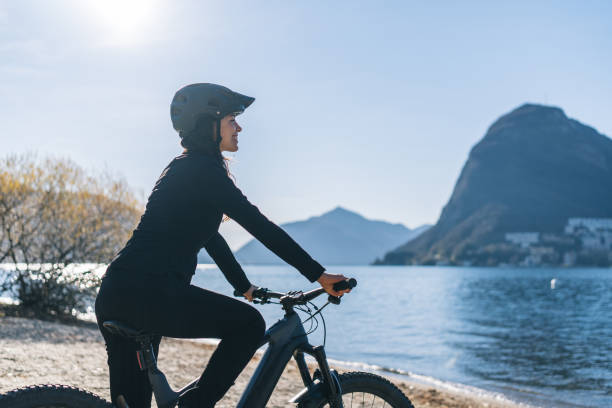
328,384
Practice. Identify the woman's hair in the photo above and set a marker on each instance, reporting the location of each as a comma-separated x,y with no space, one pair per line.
204,139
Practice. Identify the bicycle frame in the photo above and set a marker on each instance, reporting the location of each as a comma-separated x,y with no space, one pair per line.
286,338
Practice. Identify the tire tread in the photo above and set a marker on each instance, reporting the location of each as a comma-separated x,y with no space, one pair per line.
48,394
359,378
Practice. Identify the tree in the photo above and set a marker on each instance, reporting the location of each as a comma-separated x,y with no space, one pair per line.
57,224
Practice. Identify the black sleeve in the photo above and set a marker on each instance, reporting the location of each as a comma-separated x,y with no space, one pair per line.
224,194
221,253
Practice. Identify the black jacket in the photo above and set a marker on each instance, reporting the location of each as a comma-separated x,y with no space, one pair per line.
183,215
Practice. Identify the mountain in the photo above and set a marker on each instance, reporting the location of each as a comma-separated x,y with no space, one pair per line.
338,237
534,169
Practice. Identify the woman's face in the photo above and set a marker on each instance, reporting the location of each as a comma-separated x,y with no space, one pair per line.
229,134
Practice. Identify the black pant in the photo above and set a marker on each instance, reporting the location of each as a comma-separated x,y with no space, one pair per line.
168,307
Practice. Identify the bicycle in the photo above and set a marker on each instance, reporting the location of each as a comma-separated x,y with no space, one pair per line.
286,338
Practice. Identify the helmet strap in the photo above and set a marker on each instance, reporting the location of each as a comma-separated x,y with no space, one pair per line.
218,133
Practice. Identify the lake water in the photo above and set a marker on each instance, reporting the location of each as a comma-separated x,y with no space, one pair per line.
492,330
501,330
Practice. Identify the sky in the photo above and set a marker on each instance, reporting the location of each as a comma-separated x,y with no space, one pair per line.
372,106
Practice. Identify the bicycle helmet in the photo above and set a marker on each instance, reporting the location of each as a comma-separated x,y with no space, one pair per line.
192,101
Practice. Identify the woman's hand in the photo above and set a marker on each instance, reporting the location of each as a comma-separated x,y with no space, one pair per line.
249,293
327,281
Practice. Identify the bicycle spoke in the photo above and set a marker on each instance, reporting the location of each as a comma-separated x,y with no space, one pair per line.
367,400
376,392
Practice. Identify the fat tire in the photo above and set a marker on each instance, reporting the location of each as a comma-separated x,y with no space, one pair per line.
52,396
357,381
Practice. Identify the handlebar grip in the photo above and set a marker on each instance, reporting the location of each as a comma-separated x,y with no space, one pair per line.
257,293
345,284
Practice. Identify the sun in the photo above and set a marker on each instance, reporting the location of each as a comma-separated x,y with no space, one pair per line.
125,22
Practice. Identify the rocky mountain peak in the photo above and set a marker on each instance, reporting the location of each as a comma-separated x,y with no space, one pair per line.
533,170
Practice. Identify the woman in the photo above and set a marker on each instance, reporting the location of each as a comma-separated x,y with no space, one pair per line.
147,285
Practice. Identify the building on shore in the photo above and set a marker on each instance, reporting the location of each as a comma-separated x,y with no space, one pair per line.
594,233
584,241
523,239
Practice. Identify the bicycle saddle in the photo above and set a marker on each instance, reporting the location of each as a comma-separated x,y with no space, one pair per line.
123,329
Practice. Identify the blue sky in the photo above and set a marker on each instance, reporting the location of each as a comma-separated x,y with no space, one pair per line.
373,106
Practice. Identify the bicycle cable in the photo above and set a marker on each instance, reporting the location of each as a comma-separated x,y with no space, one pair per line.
313,316
309,312
324,326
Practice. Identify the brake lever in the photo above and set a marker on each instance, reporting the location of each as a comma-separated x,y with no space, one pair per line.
260,296
293,297
333,299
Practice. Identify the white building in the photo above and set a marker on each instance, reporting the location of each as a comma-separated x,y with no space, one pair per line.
537,256
574,225
524,239
595,233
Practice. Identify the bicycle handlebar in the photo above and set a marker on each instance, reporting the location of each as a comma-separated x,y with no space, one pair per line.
299,298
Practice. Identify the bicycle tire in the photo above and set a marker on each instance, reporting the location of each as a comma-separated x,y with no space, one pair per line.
52,396
356,385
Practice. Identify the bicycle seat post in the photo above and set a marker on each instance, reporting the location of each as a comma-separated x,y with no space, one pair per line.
145,355
164,395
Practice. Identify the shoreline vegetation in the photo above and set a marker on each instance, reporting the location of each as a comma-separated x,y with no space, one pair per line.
35,351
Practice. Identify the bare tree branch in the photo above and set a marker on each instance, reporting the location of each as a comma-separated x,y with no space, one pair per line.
54,215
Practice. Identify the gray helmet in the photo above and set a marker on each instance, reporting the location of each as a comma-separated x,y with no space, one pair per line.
192,101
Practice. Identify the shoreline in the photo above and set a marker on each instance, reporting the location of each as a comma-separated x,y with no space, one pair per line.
410,379
34,351
469,391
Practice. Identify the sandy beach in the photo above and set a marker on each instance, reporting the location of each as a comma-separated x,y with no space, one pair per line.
33,351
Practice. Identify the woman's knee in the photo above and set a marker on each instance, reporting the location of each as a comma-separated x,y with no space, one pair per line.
259,325
253,324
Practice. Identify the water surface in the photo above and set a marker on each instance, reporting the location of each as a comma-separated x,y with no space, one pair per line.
505,331
502,330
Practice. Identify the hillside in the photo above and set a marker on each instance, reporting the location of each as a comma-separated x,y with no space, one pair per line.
338,237
534,169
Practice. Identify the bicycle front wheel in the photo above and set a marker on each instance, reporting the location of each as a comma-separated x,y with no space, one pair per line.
369,390
52,396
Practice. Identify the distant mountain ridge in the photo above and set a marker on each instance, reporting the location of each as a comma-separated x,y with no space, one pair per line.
534,169
338,237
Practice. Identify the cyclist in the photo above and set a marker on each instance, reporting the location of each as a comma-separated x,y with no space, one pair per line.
147,285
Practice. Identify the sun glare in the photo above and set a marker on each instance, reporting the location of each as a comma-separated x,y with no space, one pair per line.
126,22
